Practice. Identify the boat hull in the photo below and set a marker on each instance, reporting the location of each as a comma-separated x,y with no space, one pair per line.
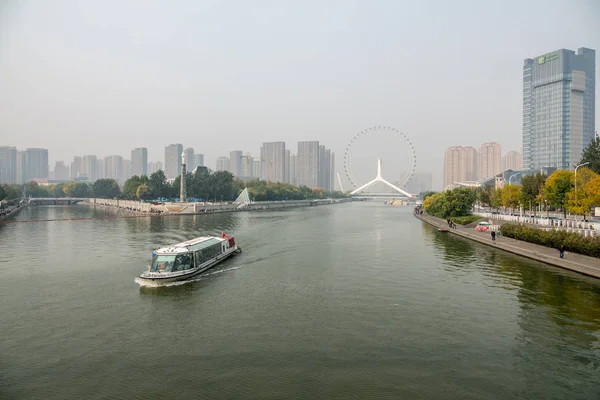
156,278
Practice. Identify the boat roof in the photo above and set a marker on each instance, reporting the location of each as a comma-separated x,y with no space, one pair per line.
198,243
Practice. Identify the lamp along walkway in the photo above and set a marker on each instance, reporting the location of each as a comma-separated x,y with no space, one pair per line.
572,261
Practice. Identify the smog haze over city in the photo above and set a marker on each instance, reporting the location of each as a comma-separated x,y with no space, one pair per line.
106,77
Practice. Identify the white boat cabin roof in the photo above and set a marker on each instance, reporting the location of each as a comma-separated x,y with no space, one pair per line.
198,243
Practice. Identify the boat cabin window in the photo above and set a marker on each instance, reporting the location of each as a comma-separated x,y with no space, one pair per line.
162,263
207,254
171,263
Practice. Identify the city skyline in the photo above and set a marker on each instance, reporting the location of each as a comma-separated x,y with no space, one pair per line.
221,95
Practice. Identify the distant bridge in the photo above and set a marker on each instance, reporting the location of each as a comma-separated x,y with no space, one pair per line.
399,193
50,201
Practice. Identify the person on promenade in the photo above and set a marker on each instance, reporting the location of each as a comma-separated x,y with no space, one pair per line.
493,236
561,251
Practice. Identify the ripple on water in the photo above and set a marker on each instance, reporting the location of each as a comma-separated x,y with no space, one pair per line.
349,301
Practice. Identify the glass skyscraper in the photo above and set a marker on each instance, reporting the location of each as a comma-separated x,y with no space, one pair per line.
558,108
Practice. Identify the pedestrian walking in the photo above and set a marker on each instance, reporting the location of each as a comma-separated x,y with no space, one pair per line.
493,236
561,251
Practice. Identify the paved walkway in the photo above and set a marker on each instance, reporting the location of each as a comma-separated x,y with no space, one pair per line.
572,261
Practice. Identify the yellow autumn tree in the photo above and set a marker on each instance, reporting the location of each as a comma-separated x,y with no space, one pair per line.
580,200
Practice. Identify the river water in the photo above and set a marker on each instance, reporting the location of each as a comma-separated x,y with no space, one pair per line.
351,301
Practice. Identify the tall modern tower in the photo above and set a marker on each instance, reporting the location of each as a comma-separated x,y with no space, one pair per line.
139,161
173,160
558,108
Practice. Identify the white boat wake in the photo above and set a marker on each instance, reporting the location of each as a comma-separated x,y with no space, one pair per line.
146,283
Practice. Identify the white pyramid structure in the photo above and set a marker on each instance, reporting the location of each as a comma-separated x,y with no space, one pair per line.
379,179
244,197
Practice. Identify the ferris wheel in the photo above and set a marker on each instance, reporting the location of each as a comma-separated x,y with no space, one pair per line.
410,158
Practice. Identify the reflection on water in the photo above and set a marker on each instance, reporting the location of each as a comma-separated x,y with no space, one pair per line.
560,312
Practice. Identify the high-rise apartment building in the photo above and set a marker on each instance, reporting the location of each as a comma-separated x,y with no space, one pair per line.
139,161
272,158
61,171
489,160
307,164
256,172
558,108
8,165
453,171
35,164
126,169
199,160
154,167
324,168
469,164
235,162
76,167
100,169
421,182
90,167
512,160
222,164
247,166
173,160
292,170
190,159
113,168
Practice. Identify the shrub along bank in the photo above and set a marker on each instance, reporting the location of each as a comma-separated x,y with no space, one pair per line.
574,242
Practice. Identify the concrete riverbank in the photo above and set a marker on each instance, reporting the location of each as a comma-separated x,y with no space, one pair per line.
572,261
206,208
8,213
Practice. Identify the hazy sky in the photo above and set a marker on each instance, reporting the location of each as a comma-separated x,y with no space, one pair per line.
102,77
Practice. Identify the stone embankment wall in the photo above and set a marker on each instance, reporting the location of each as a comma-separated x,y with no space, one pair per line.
129,205
202,208
8,213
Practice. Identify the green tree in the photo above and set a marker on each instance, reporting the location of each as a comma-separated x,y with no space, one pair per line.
450,203
12,192
497,198
591,154
77,189
531,187
158,184
556,188
131,185
143,192
511,196
106,189
59,190
2,192
32,189
484,195
580,201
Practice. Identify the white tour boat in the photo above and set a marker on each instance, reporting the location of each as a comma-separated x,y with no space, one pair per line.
185,260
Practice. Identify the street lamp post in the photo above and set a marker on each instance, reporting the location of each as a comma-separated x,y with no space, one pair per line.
580,165
510,178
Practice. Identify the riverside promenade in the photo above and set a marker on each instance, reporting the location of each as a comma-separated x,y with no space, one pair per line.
572,261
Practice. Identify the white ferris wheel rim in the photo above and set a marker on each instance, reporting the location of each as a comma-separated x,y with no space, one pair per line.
379,128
